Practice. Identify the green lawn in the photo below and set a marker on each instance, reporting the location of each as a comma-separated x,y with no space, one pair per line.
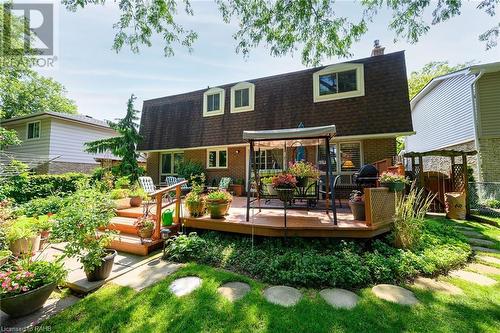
119,309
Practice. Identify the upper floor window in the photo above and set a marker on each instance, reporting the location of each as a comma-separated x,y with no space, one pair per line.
213,102
339,81
33,130
242,97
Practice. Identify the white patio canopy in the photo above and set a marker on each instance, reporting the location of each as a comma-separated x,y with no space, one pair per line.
291,133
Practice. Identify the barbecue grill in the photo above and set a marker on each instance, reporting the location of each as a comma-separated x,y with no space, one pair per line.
366,176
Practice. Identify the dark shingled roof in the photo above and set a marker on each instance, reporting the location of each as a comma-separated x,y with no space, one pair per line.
283,101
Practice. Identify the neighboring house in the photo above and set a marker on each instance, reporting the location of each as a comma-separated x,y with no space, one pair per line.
460,111
59,138
366,99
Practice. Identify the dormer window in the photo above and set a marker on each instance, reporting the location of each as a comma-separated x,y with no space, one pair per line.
213,102
242,97
338,82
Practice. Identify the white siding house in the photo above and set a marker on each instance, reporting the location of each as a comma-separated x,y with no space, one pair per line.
59,138
461,111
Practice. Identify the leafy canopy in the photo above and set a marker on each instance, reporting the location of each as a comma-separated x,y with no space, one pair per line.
123,145
284,25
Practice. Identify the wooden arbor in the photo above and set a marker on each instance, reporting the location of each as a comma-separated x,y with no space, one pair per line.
458,172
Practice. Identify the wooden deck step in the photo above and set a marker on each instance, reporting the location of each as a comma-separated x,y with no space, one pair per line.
129,212
131,243
123,224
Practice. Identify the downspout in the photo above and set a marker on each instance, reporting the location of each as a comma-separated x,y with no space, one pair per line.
473,89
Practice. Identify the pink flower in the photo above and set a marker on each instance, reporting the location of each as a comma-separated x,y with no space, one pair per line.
24,288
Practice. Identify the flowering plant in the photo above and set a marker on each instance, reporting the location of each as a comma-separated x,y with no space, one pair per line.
303,169
144,223
356,196
390,177
284,181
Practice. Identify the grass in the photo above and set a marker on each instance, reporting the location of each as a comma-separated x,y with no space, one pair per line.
155,309
120,309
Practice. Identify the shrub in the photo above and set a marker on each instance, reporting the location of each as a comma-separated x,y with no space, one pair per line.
189,169
25,187
42,206
492,203
326,262
122,182
119,193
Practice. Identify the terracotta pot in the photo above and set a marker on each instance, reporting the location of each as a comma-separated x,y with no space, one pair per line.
122,203
218,209
25,245
102,272
135,201
28,302
358,210
44,238
196,209
237,189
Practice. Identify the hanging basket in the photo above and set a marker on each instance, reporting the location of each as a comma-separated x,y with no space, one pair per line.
302,181
285,194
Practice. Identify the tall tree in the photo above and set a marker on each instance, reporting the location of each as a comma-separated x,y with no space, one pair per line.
285,25
419,78
123,145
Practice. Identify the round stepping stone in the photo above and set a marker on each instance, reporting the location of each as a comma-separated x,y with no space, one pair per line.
484,249
394,294
340,298
472,233
477,241
185,285
282,295
435,285
233,291
473,277
491,260
484,269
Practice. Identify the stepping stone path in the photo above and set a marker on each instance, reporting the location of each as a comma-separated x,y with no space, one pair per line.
340,298
233,291
477,241
185,285
485,249
435,285
472,233
484,269
491,260
473,277
282,295
395,294
462,227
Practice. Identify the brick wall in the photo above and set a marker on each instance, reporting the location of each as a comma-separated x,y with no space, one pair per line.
489,151
153,165
378,149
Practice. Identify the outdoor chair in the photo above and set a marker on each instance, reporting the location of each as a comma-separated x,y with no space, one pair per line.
149,187
171,181
223,185
335,186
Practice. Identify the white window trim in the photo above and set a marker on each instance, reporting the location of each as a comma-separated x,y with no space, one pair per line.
251,97
265,150
39,130
217,150
213,91
360,82
171,165
338,158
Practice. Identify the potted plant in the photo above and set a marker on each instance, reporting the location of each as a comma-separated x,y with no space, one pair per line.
26,285
122,182
120,198
44,225
357,205
145,226
393,181
218,203
137,195
238,187
195,203
267,182
302,172
83,224
22,236
285,185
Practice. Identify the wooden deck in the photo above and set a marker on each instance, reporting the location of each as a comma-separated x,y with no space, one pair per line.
301,223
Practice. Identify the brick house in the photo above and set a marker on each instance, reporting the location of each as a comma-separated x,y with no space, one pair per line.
366,99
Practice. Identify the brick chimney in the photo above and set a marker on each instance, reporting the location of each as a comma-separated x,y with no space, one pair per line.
377,49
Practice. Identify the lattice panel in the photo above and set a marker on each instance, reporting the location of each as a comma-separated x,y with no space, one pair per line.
382,205
457,178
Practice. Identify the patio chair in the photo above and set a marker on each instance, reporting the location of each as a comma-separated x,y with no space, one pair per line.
147,184
223,185
335,185
171,180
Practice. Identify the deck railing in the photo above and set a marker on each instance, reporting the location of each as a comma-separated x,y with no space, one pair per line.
160,204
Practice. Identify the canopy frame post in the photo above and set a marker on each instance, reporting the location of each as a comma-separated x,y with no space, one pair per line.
251,161
329,181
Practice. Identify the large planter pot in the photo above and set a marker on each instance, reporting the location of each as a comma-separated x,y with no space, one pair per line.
135,201
145,232
302,181
102,272
28,302
394,187
196,209
122,203
285,194
271,190
237,189
218,209
25,245
44,238
358,210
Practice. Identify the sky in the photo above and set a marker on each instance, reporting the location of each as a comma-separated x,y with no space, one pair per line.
101,80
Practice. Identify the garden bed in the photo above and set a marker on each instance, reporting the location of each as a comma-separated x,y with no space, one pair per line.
327,262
